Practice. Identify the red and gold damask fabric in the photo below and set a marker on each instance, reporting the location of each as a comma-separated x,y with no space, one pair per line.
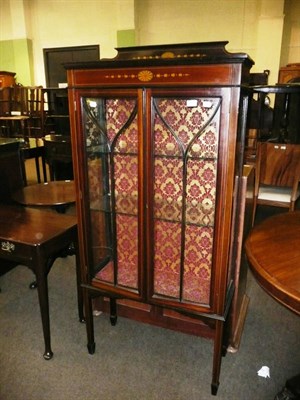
185,148
185,174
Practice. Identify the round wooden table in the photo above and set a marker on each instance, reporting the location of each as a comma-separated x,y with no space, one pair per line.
273,252
54,193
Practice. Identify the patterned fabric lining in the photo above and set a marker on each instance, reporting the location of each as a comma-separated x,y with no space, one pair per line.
185,151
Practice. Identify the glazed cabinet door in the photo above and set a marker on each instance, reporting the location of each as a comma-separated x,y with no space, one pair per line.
189,186
111,189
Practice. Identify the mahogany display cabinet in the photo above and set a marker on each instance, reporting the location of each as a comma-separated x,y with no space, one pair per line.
158,150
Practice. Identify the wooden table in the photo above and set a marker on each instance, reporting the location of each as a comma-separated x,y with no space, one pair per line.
273,252
35,238
54,193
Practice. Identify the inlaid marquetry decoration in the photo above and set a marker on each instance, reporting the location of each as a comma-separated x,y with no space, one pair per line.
169,55
147,75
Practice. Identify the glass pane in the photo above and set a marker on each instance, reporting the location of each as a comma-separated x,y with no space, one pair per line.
185,142
112,160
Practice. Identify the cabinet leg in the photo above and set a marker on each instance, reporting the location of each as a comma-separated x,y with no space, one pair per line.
91,348
218,350
89,321
113,311
78,284
214,388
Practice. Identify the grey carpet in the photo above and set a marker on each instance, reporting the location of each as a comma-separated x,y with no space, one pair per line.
133,360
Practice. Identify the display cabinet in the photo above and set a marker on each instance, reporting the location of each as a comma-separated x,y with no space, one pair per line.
158,144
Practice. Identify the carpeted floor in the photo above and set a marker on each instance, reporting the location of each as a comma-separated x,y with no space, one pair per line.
133,360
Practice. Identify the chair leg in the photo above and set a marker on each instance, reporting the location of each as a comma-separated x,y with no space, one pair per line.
254,210
23,169
44,169
37,167
292,206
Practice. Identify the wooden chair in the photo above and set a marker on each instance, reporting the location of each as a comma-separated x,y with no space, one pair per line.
277,175
22,117
33,107
12,116
5,100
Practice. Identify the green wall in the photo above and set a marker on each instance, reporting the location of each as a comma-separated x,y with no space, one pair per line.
17,56
126,38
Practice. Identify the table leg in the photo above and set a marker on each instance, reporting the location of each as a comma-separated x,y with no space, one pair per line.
23,169
41,271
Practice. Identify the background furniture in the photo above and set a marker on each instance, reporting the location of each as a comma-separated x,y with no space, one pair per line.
33,148
56,194
150,138
35,238
13,115
22,116
277,270
58,154
23,113
11,177
273,114
57,113
273,252
277,175
33,106
29,113
7,79
259,117
56,57
290,73
280,120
